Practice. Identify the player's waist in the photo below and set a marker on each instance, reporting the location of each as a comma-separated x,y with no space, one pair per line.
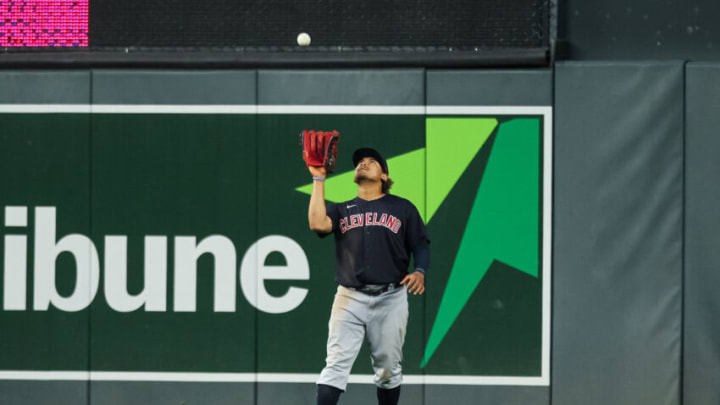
375,289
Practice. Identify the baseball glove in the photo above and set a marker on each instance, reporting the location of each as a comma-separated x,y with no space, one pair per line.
320,148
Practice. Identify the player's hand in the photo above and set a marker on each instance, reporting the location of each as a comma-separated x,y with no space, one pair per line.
318,171
415,282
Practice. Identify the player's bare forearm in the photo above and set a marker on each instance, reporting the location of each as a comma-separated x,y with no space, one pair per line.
317,213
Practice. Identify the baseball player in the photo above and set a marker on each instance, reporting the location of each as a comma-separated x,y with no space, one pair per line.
375,234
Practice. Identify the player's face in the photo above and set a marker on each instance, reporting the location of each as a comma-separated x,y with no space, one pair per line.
368,169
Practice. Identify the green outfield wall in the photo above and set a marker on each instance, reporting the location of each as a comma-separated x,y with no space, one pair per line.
156,249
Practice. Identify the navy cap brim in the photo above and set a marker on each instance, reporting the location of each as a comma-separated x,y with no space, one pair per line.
361,153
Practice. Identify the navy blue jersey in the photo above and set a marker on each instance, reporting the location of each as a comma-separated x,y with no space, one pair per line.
374,239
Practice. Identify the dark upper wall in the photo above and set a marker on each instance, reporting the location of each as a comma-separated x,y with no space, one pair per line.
639,29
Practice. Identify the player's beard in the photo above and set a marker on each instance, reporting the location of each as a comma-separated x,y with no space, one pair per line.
360,177
364,178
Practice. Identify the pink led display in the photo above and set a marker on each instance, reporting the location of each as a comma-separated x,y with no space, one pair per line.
43,23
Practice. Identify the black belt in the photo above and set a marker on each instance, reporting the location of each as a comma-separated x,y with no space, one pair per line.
376,289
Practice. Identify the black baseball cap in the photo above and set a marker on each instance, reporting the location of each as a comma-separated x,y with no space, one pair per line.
362,153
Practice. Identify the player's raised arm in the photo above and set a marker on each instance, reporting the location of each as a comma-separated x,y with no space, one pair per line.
317,213
319,153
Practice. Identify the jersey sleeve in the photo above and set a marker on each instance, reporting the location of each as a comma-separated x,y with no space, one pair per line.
333,212
416,230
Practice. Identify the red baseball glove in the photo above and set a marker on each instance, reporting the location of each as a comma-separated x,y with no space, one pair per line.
320,148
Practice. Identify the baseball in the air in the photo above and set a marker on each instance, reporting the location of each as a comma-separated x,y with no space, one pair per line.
303,39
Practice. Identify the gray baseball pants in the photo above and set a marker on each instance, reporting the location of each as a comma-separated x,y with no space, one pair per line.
383,319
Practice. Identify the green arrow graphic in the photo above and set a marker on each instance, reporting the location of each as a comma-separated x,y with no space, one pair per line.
503,223
504,220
